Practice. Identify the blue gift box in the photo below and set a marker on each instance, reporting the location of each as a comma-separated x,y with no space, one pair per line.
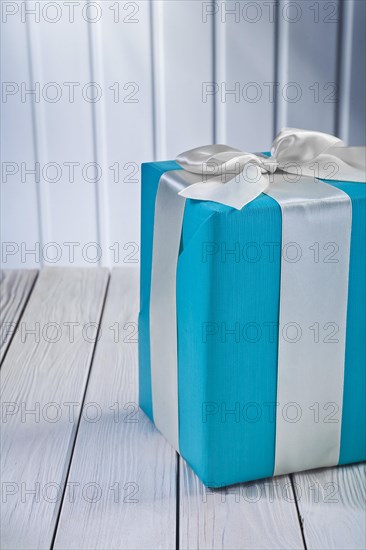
228,290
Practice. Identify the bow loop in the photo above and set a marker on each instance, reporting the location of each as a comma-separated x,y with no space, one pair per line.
200,159
269,164
301,146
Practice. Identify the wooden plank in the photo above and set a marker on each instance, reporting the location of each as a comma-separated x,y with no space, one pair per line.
15,286
63,107
20,227
121,54
43,380
130,463
249,515
332,504
307,64
352,100
183,65
245,90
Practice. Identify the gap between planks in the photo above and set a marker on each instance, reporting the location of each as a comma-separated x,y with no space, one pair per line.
137,495
332,504
122,489
123,469
256,515
43,379
15,288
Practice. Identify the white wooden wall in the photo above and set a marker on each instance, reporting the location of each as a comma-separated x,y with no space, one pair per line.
118,83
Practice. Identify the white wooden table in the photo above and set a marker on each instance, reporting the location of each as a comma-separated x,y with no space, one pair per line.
83,468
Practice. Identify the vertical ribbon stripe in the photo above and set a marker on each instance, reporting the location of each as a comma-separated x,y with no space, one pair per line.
169,211
316,232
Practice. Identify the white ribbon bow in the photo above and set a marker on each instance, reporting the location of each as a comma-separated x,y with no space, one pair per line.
235,178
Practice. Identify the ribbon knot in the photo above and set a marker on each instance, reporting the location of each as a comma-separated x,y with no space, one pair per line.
213,171
269,164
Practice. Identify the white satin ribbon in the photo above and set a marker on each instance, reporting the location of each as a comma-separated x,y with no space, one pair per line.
310,368
308,372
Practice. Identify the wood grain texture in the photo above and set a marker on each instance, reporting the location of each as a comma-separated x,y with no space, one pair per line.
64,133
245,90
154,63
15,286
183,66
307,64
43,380
352,105
332,504
19,205
259,515
132,466
121,57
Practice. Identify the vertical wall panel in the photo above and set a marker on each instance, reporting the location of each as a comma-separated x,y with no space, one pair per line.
245,88
19,202
352,105
307,64
121,53
60,57
183,64
169,75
